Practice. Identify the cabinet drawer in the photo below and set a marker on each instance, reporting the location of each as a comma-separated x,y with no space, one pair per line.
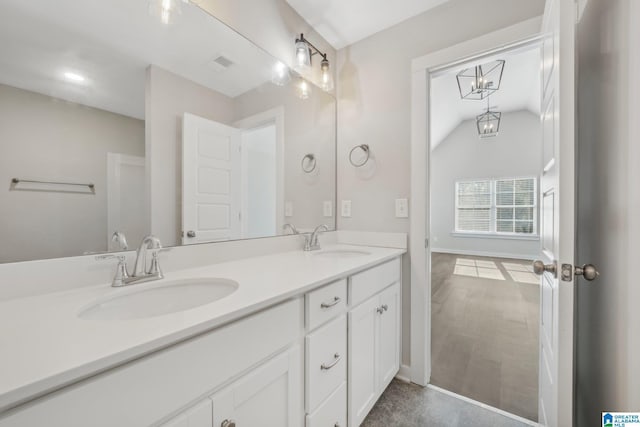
372,281
326,361
325,303
333,412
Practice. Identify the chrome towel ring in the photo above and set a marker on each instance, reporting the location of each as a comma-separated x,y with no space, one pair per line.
365,149
308,163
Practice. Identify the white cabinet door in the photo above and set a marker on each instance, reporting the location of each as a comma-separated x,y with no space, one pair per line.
389,336
270,395
198,416
362,360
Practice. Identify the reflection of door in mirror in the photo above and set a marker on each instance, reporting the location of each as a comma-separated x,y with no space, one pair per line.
210,181
126,198
258,166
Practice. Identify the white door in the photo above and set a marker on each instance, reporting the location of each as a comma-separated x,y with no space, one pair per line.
362,384
210,181
126,211
389,336
270,395
558,214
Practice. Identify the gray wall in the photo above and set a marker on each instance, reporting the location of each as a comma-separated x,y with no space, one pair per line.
374,107
51,139
514,152
608,318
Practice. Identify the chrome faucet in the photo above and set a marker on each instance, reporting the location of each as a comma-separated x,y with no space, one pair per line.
141,273
311,241
293,228
120,239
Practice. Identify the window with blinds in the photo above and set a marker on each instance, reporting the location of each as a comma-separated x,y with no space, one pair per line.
500,206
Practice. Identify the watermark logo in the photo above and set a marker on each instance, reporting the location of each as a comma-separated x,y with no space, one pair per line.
621,419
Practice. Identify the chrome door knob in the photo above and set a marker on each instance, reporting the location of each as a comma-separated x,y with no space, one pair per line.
192,234
228,423
540,268
588,271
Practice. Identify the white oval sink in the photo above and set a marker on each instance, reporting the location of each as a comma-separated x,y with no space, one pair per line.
341,253
158,298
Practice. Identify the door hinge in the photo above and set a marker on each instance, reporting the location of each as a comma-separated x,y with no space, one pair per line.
426,243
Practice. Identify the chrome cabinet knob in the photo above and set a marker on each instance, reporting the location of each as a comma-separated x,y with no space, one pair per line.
540,268
192,234
228,423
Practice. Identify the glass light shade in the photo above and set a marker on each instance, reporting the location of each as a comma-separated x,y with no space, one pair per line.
303,55
280,74
488,124
303,89
480,81
326,77
166,10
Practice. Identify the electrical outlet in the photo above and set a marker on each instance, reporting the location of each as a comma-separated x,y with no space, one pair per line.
327,208
346,209
402,208
288,209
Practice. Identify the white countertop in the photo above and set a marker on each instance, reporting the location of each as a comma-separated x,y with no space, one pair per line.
45,345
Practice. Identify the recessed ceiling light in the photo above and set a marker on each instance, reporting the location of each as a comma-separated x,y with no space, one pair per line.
74,77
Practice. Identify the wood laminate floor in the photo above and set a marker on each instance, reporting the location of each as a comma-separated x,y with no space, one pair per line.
484,332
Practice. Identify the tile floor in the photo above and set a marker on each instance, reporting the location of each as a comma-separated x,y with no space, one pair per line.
409,405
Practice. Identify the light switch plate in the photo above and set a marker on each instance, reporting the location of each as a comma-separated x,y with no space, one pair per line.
288,209
346,209
402,208
327,208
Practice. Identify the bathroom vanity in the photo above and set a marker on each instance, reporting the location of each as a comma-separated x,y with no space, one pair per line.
306,338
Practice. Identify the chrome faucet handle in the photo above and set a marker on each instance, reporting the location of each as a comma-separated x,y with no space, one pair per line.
307,241
154,268
122,272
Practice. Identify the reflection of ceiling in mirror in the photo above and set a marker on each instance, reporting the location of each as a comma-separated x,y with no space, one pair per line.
111,43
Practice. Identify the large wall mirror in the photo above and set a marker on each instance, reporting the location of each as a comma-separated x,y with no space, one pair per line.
114,119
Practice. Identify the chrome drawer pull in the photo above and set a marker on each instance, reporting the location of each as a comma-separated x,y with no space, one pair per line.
330,304
336,357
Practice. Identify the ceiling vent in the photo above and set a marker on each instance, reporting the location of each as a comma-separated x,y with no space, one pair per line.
220,63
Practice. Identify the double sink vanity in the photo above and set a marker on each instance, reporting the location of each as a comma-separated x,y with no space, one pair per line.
288,339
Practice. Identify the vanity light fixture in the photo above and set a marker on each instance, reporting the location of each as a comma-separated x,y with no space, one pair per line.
480,81
304,51
488,123
74,77
303,88
280,74
166,10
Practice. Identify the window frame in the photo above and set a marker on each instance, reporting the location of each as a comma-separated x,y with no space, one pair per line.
493,221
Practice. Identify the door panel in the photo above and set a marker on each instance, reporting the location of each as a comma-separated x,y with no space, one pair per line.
389,334
270,395
558,213
362,360
211,181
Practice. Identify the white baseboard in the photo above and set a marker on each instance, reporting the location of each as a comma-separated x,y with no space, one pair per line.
404,374
483,253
